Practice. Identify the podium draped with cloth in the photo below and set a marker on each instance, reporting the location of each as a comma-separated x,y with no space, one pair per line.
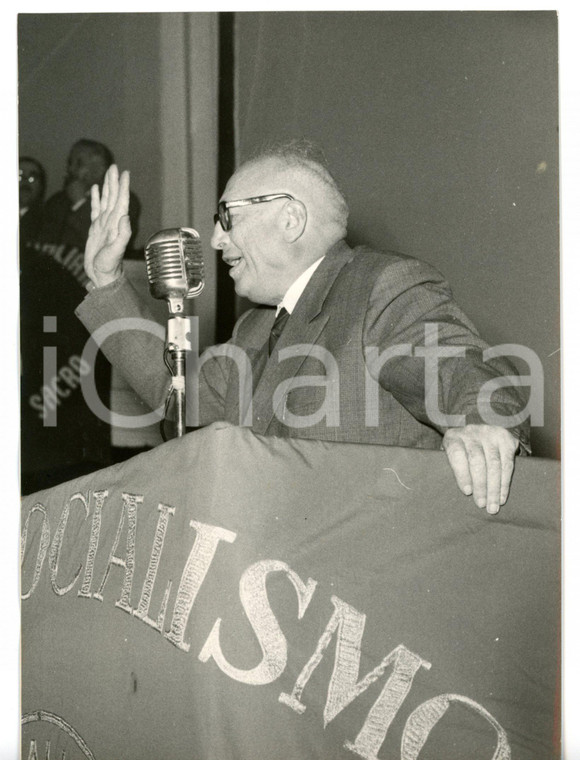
228,596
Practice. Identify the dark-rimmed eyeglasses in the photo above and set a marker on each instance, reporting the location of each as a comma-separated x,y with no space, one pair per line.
223,213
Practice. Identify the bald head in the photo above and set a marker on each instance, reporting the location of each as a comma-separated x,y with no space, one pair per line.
299,168
284,212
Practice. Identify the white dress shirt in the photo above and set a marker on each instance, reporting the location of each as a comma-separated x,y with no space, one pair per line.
297,288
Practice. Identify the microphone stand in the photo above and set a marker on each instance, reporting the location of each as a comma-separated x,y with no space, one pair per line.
175,271
178,328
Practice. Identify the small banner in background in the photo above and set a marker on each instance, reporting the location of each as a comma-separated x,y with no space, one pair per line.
233,597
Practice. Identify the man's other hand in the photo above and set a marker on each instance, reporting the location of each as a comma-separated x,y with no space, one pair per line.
110,229
482,460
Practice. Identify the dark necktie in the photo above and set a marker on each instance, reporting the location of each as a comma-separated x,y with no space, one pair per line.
277,328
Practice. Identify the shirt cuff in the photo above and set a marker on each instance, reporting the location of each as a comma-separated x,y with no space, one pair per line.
110,286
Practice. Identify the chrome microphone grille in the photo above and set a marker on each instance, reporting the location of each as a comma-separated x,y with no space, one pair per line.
175,263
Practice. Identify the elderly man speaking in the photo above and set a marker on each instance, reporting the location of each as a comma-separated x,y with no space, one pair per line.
356,345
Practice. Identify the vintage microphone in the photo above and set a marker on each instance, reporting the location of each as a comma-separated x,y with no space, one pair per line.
175,272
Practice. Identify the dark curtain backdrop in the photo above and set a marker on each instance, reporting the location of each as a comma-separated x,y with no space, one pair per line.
442,129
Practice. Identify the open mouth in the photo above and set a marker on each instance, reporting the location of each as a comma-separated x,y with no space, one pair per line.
236,263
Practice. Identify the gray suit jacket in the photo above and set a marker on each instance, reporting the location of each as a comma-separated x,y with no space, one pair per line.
346,367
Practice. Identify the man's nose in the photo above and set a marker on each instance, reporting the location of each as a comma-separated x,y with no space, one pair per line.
219,237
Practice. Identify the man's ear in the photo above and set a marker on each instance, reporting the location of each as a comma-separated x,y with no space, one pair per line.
294,220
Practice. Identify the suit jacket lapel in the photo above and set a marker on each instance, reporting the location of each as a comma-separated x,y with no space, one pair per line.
304,327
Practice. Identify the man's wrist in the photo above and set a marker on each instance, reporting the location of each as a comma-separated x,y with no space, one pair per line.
102,279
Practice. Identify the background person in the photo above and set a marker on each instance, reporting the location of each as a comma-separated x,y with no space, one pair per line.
62,237
61,437
68,211
31,190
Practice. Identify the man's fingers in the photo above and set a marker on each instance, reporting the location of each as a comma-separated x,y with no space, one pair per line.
123,194
457,456
118,199
105,193
482,459
494,479
507,471
124,230
113,202
110,228
95,202
113,174
478,471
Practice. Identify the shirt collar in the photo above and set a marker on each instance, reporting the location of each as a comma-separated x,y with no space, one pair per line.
297,288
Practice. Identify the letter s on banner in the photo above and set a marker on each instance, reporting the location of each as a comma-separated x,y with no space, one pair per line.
254,598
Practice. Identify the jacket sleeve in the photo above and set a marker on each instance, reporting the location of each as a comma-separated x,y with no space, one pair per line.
133,341
428,354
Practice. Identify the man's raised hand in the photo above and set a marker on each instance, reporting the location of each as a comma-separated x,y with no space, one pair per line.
110,229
